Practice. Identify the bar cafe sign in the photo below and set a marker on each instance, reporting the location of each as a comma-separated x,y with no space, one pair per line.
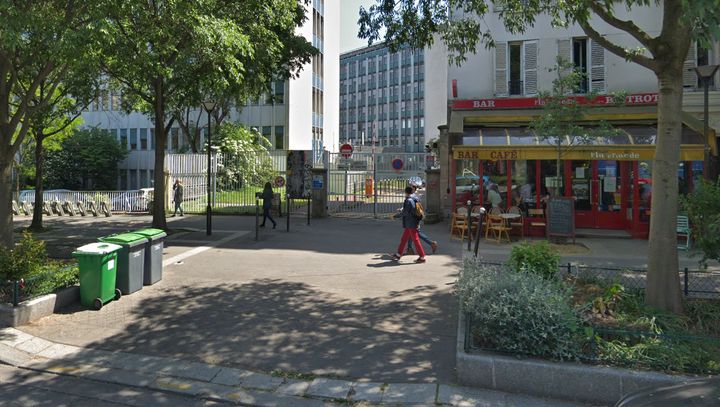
550,153
529,103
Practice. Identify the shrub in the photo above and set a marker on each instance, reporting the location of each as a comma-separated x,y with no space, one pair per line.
519,312
538,258
26,258
50,278
703,209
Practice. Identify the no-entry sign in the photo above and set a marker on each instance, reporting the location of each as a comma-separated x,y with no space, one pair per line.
346,150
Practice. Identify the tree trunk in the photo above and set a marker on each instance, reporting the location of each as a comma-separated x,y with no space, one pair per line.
663,279
37,220
158,208
6,214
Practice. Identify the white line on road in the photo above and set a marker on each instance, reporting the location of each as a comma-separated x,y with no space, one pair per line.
201,249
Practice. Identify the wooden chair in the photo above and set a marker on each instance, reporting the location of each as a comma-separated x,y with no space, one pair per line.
459,223
517,223
537,218
498,227
683,230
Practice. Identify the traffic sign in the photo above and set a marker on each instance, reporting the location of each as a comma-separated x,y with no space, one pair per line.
397,164
346,150
279,181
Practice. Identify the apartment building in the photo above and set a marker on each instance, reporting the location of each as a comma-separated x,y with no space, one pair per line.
393,100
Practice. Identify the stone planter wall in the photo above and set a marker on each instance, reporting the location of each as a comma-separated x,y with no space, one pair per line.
570,381
32,310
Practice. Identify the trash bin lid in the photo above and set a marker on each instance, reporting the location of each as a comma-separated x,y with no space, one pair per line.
125,239
97,248
154,233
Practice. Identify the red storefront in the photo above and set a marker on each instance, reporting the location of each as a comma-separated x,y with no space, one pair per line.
609,178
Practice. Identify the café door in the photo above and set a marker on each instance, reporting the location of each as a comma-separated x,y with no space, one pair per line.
599,189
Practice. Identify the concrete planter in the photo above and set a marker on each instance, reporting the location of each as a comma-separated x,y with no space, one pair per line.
36,308
570,381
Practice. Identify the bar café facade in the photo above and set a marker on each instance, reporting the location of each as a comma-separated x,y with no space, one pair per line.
610,178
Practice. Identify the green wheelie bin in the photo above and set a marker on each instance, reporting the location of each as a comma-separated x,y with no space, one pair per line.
131,260
98,270
153,254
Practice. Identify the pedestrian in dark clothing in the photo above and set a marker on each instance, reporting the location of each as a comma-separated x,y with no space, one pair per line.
411,223
267,196
178,197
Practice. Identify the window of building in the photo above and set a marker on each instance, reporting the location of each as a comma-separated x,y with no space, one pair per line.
175,138
123,178
123,138
133,139
580,61
152,139
279,137
133,179
515,71
143,139
266,132
279,92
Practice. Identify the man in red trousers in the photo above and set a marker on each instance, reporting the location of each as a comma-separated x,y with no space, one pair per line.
411,222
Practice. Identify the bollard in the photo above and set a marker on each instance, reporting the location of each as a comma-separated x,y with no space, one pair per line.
469,224
257,219
686,282
479,230
16,293
569,269
308,208
287,199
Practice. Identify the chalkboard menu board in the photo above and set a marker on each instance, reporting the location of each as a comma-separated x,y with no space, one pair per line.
561,217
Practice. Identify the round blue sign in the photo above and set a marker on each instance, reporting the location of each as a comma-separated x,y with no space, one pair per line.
397,164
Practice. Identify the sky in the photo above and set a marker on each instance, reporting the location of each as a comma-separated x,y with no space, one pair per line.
349,13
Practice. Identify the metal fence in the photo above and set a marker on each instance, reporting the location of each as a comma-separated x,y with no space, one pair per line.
371,184
235,179
16,291
84,202
694,283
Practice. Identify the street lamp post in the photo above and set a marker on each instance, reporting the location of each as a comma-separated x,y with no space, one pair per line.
706,73
209,107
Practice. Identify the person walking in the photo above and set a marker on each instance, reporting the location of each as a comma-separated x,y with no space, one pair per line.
267,196
423,236
410,225
178,197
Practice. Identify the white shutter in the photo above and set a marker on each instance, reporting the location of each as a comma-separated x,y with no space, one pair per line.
565,52
689,76
530,56
501,81
597,67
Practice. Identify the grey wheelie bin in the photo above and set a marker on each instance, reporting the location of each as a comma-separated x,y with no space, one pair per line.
153,254
98,266
131,260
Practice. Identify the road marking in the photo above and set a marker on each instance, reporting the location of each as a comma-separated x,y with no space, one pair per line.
201,249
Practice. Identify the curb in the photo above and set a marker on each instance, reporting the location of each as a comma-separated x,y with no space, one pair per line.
558,380
36,308
225,384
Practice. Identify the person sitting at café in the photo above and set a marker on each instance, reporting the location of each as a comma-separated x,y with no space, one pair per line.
494,196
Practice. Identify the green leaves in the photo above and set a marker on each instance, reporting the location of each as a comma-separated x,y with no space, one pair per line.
703,209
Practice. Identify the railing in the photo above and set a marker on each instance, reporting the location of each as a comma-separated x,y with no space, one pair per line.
515,87
78,202
17,291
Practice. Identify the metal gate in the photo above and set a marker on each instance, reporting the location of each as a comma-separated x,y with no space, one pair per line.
234,181
370,185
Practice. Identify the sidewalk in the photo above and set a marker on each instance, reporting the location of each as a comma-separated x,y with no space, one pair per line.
205,382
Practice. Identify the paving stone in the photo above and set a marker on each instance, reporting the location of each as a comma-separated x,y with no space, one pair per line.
371,392
266,399
174,385
518,400
230,377
34,345
261,381
12,356
410,393
118,376
188,370
469,397
329,388
60,351
293,387
13,337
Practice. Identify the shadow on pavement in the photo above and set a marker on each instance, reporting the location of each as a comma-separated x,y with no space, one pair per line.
271,325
